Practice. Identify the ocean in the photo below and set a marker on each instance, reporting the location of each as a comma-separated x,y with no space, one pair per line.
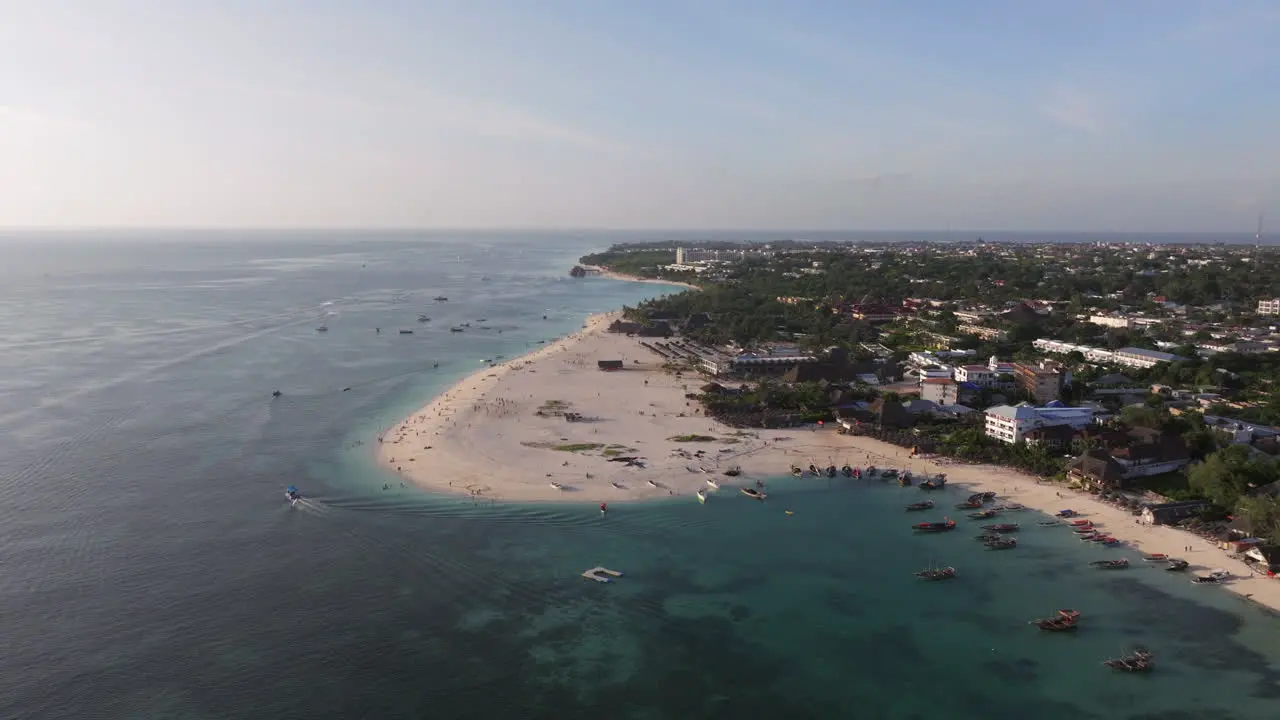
151,568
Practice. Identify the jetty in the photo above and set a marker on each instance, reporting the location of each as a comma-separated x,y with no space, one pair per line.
601,574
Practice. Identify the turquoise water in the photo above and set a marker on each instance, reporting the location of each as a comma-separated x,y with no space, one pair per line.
152,568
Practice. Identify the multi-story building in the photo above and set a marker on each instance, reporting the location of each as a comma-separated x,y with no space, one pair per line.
1011,423
1142,358
1269,307
1043,382
942,390
979,375
1112,321
982,331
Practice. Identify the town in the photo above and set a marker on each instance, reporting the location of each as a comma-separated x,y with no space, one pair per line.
1145,374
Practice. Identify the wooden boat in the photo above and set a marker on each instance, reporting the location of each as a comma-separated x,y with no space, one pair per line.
1013,507
847,471
1064,620
935,483
872,471
1001,543
988,496
1080,521
795,471
1217,577
968,505
926,505
945,573
904,479
753,493
1138,661
1176,564
616,485
1155,557
1049,523
1001,527
1066,513
984,515
1110,564
831,471
931,527
734,471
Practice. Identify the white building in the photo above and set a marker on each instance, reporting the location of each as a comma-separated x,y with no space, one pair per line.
1112,321
942,390
979,375
1143,358
1011,423
1269,307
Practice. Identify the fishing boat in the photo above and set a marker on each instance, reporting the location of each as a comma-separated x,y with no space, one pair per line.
1001,528
734,471
932,527
1102,538
1013,507
423,318
945,573
988,496
1090,536
753,493
984,515
441,298
1176,564
702,497
406,332
1049,523
904,479
1078,523
831,471
456,329
323,328
292,495
1085,528
1138,661
1155,557
1001,543
557,486
1110,564
847,471
969,505
1064,620
1217,577
796,471
872,471
713,484
926,505
935,483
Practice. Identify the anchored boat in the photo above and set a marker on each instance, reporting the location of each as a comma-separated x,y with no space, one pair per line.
753,493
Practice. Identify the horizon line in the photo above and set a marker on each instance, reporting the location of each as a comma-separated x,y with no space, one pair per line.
582,229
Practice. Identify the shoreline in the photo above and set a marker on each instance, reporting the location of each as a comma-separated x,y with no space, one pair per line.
611,275
551,427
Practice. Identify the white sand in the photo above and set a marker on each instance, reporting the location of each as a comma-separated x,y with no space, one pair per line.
482,437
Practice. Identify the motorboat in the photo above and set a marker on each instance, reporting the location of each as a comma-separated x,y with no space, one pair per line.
969,505
932,527
406,332
423,318
1012,507
1001,528
292,495
1049,523
753,493
456,329
714,485
934,483
557,486
926,505
1176,564
1001,543
945,573
441,298
1217,577
1110,564
831,471
1155,557
984,515
847,471
734,471
702,497
323,328
1066,513
796,471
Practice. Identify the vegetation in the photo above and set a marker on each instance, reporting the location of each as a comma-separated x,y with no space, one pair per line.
578,447
692,438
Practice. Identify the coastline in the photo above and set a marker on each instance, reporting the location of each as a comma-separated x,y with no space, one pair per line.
611,275
501,434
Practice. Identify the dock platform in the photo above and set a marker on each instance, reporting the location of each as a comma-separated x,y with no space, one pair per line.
601,574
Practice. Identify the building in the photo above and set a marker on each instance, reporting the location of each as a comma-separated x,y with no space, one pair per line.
680,256
875,313
1169,513
1112,321
1043,383
979,375
1011,423
942,390
982,331
1096,469
1269,307
1143,358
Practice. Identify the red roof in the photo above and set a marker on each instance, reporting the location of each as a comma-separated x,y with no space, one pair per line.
939,381
972,368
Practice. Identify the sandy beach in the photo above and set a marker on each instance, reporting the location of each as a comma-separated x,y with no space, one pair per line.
502,434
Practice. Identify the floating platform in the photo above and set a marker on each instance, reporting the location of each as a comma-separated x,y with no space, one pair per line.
601,574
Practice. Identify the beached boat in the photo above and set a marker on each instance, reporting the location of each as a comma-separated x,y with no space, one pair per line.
988,496
1176,564
652,483
1110,542
1110,564
847,471
734,471
1001,543
872,471
1001,528
984,515
1066,513
1080,521
831,471
796,471
934,483
931,527
702,496
618,486
904,479
557,486
753,493
713,484
968,505
945,573
1155,557
926,505
1217,577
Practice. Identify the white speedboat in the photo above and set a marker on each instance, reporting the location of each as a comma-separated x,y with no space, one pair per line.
714,485
702,496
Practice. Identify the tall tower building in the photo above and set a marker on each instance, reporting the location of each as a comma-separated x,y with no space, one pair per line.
679,256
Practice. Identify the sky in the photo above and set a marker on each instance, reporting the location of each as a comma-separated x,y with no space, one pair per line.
1136,115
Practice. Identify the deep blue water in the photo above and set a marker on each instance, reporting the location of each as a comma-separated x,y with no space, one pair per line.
149,567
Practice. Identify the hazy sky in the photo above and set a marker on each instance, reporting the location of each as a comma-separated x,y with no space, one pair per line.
904,114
